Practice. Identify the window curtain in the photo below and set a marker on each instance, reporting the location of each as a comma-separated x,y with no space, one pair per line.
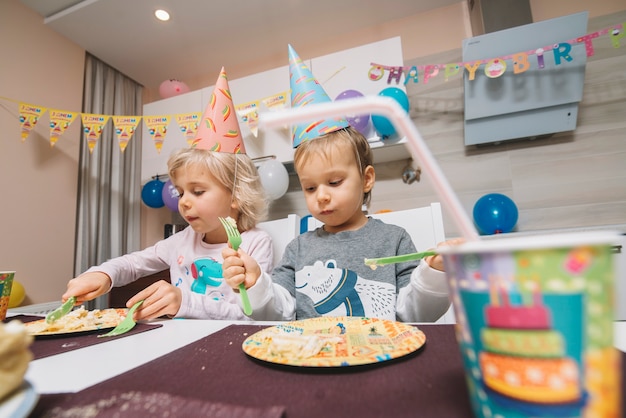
109,180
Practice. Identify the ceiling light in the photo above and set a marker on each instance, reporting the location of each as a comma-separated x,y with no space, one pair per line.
162,15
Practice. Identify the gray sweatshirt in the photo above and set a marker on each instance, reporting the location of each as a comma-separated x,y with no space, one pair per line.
324,274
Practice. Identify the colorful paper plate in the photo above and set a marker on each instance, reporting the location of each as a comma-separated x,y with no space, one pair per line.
37,328
347,341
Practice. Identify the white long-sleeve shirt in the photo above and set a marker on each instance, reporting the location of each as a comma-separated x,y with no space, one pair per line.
195,267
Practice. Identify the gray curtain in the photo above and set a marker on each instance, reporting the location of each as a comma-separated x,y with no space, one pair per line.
109,181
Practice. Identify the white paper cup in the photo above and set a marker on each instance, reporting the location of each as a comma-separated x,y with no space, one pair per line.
535,324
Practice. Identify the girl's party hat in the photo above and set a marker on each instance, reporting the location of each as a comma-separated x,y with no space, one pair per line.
306,90
219,130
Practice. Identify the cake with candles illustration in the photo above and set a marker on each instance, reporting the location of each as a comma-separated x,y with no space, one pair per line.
524,358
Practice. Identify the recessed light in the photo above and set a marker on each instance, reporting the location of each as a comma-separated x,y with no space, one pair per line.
162,15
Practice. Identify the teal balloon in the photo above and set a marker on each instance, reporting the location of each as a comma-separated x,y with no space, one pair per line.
383,126
495,213
152,194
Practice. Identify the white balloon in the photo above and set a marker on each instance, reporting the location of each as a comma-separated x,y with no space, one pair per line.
275,178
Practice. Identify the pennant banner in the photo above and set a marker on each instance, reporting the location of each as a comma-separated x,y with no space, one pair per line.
248,113
188,124
93,125
126,126
157,128
496,66
29,116
60,120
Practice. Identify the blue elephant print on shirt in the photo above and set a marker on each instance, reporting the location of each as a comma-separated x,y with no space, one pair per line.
336,292
206,272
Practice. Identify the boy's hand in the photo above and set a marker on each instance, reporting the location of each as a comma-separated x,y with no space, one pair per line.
87,286
238,267
436,261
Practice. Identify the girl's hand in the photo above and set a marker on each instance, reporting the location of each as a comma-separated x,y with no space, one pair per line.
87,286
436,261
160,298
238,267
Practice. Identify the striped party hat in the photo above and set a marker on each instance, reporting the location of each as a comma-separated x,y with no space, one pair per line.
219,130
306,90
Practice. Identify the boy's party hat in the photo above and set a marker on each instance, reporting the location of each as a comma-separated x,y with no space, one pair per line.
306,90
219,130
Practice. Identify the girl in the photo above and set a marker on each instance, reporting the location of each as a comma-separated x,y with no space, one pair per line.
204,180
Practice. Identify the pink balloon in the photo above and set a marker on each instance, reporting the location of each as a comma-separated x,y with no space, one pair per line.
170,196
171,88
358,122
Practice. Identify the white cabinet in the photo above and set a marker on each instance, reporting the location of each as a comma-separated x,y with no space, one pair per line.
337,72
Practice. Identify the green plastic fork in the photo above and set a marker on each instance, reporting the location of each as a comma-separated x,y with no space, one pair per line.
234,239
375,262
127,323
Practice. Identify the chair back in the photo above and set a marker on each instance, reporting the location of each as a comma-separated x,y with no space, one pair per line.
282,231
424,225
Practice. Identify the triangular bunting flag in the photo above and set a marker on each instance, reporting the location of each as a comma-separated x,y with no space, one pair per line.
125,127
157,128
188,124
248,112
60,120
29,116
93,125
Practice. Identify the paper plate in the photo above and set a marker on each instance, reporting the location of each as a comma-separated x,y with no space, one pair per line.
334,342
103,320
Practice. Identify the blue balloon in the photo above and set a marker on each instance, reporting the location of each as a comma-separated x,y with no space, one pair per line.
152,194
495,213
382,125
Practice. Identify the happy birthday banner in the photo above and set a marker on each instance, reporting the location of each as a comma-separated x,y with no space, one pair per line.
188,123
496,66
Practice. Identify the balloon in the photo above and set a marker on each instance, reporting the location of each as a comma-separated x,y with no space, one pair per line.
358,122
151,194
17,294
274,178
382,125
169,194
171,88
495,213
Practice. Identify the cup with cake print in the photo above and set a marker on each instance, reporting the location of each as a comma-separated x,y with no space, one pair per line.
6,283
535,325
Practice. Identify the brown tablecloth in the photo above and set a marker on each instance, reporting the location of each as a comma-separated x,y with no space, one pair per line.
45,346
214,369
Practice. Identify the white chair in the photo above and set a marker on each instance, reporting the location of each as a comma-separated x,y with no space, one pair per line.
424,225
282,232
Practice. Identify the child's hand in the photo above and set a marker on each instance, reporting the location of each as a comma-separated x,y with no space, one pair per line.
238,267
87,286
436,261
160,298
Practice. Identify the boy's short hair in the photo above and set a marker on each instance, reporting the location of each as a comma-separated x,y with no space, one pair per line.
243,181
346,137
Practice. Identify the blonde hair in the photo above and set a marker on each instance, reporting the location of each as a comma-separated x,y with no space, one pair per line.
235,172
339,140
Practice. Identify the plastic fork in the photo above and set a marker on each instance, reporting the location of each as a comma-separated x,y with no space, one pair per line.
127,323
375,262
234,239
